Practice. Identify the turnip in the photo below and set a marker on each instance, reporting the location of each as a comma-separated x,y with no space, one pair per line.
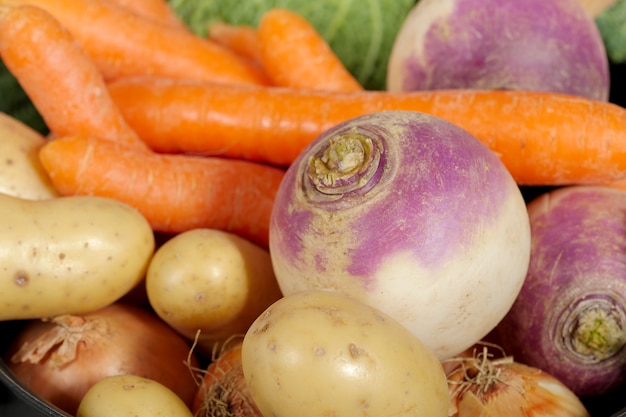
410,214
570,316
543,45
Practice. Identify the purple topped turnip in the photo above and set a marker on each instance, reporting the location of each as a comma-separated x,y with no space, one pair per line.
539,45
410,214
570,316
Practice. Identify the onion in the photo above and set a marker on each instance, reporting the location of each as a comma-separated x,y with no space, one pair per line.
223,391
410,214
61,358
483,385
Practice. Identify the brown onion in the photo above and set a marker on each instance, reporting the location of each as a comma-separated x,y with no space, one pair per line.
61,358
482,384
223,391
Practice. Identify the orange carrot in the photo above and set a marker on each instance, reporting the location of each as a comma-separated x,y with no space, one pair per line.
174,192
122,43
295,55
619,184
59,77
241,39
158,10
542,138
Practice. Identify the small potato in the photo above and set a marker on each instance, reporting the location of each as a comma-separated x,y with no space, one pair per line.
21,173
131,396
212,281
69,255
330,355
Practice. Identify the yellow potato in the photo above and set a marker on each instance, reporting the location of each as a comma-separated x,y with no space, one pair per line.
210,280
21,173
131,396
69,255
331,355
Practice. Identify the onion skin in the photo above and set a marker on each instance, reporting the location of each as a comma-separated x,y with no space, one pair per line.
484,386
570,316
410,214
116,340
223,390
540,45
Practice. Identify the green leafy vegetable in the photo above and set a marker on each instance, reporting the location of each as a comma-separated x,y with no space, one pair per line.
15,102
612,25
360,32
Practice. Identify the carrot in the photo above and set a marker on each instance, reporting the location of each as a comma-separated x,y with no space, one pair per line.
122,43
295,55
58,76
542,138
619,184
158,10
241,39
174,192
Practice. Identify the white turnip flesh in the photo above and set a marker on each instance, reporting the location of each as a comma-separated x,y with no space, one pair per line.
410,214
540,45
570,316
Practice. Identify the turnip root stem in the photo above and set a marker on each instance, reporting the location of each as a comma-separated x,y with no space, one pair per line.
595,329
350,162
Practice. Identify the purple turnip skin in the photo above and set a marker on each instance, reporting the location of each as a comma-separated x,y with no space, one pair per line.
540,45
410,214
570,316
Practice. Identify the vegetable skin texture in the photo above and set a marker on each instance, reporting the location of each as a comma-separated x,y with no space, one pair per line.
360,33
223,390
539,45
484,383
131,395
61,358
295,55
410,214
21,173
542,138
183,192
60,79
330,354
69,255
241,39
158,10
570,316
122,43
210,281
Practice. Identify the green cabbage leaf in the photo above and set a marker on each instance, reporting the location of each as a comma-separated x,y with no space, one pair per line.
612,25
15,102
361,32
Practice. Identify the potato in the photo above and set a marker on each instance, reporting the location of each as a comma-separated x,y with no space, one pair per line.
21,173
69,255
210,280
320,353
131,396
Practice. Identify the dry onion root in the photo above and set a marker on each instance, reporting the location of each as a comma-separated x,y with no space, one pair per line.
484,383
222,390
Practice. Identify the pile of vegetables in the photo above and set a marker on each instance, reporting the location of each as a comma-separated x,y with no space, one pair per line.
224,218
